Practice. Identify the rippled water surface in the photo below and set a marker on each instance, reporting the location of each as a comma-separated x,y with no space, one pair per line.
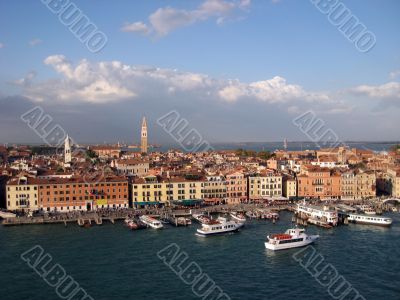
111,262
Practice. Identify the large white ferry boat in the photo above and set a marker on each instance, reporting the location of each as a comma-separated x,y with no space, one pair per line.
369,220
292,238
151,222
218,226
324,215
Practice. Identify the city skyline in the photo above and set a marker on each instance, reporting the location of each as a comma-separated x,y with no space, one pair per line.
219,64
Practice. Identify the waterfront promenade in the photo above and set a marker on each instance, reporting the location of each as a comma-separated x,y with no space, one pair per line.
119,214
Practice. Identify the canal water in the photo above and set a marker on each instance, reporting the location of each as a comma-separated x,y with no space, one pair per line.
111,262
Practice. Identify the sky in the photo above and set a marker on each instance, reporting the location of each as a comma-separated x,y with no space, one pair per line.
234,70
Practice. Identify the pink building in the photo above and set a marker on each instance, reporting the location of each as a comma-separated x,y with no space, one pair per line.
236,187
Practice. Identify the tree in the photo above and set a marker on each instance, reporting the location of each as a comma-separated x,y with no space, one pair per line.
91,154
395,148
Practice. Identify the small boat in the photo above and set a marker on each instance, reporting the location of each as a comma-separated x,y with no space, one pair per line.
151,222
367,209
182,221
132,225
292,238
201,218
238,216
273,216
219,226
251,214
369,220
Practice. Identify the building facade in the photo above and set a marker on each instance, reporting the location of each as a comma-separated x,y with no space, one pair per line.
316,182
365,185
236,187
76,193
154,190
289,185
132,167
22,194
266,185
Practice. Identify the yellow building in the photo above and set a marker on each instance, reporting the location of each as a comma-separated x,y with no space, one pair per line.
289,189
348,185
215,189
393,179
365,184
22,194
266,185
152,190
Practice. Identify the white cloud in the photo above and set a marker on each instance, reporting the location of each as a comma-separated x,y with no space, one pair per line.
390,90
394,74
165,20
35,42
25,81
113,81
139,27
274,90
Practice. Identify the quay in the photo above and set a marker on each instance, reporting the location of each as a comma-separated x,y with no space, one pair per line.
166,213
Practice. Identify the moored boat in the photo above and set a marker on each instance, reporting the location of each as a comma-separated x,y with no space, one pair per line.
132,225
238,216
367,209
201,218
151,222
292,238
369,220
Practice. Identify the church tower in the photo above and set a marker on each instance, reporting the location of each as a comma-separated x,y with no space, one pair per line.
143,143
67,152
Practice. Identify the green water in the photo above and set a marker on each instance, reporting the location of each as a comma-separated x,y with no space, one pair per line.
111,262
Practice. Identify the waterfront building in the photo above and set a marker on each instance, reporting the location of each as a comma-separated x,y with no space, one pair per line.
132,167
267,184
392,182
317,182
22,194
82,193
289,185
365,184
152,190
143,141
214,189
236,187
348,185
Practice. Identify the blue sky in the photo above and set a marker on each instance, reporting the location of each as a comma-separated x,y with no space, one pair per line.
236,70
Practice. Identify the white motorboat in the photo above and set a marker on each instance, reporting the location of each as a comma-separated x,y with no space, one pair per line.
201,218
292,238
238,216
218,226
367,209
151,222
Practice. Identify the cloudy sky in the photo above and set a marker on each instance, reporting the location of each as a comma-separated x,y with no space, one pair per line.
236,70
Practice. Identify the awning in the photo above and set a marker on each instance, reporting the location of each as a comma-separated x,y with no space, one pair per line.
187,202
146,203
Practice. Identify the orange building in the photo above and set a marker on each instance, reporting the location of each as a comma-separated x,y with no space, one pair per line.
106,151
77,193
317,182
